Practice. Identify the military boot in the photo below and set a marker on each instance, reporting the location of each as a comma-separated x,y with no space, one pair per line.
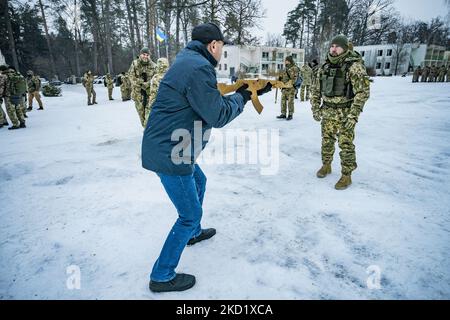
281,116
289,117
344,182
324,171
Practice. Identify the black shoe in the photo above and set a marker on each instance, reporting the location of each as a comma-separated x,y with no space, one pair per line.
40,108
29,108
25,115
281,116
22,125
13,128
206,234
181,282
94,102
289,117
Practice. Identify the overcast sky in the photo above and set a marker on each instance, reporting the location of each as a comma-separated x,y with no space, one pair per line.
276,12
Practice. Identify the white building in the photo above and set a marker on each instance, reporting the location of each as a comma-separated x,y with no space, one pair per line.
2,59
256,61
384,58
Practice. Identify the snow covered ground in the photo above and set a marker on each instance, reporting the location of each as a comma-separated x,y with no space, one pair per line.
73,193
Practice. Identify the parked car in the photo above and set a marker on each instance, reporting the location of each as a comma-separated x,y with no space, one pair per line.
56,83
99,80
43,81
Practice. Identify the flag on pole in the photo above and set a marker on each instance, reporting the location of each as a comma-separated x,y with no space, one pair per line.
160,35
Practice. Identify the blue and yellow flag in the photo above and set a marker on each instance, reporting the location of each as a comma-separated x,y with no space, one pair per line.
160,35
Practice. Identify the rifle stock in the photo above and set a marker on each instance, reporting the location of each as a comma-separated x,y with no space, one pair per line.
253,85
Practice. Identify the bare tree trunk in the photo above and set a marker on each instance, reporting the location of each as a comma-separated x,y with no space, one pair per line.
131,28
12,42
77,49
136,23
47,36
107,17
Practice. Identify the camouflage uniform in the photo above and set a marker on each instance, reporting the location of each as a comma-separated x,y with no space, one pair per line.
425,73
14,103
3,94
441,75
289,76
110,84
161,68
34,85
338,103
448,74
306,73
141,73
417,74
88,83
432,75
125,87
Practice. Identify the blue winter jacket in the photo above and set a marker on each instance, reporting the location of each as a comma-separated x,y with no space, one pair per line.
187,96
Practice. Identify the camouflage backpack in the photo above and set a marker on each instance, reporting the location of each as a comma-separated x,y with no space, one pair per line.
17,85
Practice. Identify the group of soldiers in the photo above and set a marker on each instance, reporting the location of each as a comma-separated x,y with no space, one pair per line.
140,83
432,74
14,90
339,90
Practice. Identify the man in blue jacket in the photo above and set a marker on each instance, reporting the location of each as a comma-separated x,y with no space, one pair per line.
187,105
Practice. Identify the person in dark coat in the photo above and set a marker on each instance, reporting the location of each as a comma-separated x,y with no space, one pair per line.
186,107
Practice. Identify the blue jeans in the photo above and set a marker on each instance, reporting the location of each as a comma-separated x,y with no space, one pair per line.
186,193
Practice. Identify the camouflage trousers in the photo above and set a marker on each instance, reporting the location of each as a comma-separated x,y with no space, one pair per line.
143,111
125,92
15,113
287,100
110,92
3,119
303,88
36,96
91,94
333,128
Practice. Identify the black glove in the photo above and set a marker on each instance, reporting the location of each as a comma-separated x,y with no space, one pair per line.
244,92
266,89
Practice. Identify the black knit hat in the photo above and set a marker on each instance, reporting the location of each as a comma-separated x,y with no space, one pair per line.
290,59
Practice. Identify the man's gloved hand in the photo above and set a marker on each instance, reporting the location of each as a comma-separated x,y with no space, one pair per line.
264,90
317,116
247,95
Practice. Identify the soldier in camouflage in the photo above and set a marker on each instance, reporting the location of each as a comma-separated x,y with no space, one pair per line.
88,83
34,85
3,88
448,74
441,73
432,75
306,74
15,91
125,86
341,89
109,82
288,76
417,73
141,73
425,73
161,68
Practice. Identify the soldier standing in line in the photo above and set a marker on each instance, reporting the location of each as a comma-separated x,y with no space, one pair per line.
109,83
432,74
448,73
339,94
306,74
441,74
141,72
417,73
34,85
3,95
425,73
288,76
125,86
88,83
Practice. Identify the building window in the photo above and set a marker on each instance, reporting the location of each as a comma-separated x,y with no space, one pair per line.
280,56
387,65
265,66
380,53
225,67
294,56
265,56
225,54
389,53
280,67
362,53
378,65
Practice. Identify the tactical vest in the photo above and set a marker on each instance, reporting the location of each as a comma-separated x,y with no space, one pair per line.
334,82
17,85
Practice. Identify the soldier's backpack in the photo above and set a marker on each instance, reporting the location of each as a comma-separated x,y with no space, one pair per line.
17,85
